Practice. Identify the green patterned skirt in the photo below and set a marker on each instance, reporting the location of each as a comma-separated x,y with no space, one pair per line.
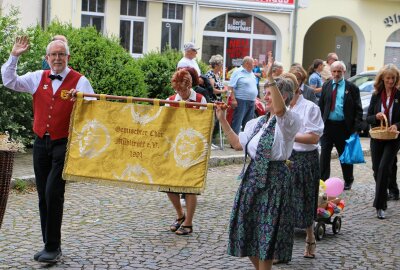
262,219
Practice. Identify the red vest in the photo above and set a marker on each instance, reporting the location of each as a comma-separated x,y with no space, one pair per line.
52,112
198,100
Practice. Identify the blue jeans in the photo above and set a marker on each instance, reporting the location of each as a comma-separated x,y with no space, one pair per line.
242,114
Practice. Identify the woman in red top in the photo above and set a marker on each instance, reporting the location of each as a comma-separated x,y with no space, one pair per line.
182,84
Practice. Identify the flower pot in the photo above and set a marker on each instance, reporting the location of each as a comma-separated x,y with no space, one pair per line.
6,168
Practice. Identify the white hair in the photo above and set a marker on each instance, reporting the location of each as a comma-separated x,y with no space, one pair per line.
57,42
338,64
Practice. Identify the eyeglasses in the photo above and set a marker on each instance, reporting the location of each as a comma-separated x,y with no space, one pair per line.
60,55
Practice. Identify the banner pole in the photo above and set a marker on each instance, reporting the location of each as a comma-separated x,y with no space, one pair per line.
150,100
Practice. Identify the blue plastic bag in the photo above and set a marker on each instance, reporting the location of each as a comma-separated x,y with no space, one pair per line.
352,153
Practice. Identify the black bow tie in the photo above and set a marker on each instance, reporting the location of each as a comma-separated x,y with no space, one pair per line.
53,77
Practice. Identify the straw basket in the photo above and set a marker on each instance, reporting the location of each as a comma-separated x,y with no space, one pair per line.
6,167
382,133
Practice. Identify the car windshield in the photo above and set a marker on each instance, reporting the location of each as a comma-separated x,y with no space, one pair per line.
367,86
365,82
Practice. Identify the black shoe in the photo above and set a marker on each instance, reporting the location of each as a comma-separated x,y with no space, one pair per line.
380,213
38,254
347,186
51,256
393,197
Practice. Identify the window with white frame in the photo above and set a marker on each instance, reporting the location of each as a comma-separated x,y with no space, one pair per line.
93,14
132,22
172,20
392,49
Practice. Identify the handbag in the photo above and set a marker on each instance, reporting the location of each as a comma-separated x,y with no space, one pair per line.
352,153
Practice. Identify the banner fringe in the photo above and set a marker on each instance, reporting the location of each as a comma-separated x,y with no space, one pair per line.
134,185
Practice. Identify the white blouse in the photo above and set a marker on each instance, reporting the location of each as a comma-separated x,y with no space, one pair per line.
30,81
285,131
312,122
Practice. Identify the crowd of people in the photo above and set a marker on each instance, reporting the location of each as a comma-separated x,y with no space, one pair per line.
279,186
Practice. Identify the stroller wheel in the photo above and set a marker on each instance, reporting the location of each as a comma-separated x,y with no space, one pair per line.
336,225
319,230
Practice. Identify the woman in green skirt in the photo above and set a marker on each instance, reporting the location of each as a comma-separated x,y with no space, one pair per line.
262,220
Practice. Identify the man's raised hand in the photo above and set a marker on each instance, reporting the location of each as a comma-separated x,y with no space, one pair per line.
21,45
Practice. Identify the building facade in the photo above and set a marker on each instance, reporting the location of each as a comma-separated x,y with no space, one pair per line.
364,33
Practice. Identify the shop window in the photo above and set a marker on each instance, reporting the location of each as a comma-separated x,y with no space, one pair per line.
260,47
93,14
260,27
236,35
171,26
215,45
132,23
216,24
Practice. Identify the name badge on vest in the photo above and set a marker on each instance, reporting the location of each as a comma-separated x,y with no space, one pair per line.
45,86
64,94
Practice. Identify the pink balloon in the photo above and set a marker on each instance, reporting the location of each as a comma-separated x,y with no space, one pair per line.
334,186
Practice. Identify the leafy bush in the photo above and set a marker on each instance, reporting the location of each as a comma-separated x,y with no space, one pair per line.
203,67
16,112
158,69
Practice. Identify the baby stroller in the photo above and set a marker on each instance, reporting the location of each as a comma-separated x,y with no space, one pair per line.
329,213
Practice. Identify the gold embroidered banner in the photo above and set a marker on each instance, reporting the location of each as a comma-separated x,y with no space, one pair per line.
145,146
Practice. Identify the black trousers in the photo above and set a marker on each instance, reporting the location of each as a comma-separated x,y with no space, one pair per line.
335,133
48,162
392,186
383,154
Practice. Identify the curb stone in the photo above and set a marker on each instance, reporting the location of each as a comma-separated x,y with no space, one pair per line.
214,161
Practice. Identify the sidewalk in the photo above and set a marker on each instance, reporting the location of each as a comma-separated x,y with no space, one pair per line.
111,227
23,168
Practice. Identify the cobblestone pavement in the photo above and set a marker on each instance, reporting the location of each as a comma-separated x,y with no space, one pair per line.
116,228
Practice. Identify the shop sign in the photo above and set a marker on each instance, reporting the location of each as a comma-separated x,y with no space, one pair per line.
390,20
287,2
239,26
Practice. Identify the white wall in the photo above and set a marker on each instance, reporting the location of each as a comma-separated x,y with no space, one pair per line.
30,11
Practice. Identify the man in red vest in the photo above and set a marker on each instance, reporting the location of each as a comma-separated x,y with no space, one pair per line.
52,108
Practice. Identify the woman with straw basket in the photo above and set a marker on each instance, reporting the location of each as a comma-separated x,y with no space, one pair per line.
384,106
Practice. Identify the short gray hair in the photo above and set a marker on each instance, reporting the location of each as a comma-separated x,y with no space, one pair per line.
338,64
247,59
59,42
277,64
286,87
216,60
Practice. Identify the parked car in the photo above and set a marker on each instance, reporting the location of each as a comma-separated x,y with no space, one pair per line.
365,82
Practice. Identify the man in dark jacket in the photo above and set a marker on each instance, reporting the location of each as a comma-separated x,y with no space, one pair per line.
341,111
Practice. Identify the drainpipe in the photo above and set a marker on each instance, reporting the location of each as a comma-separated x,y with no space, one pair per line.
195,21
43,20
296,9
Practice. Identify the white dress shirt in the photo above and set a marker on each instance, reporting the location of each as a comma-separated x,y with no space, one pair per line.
311,122
186,62
30,81
285,130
